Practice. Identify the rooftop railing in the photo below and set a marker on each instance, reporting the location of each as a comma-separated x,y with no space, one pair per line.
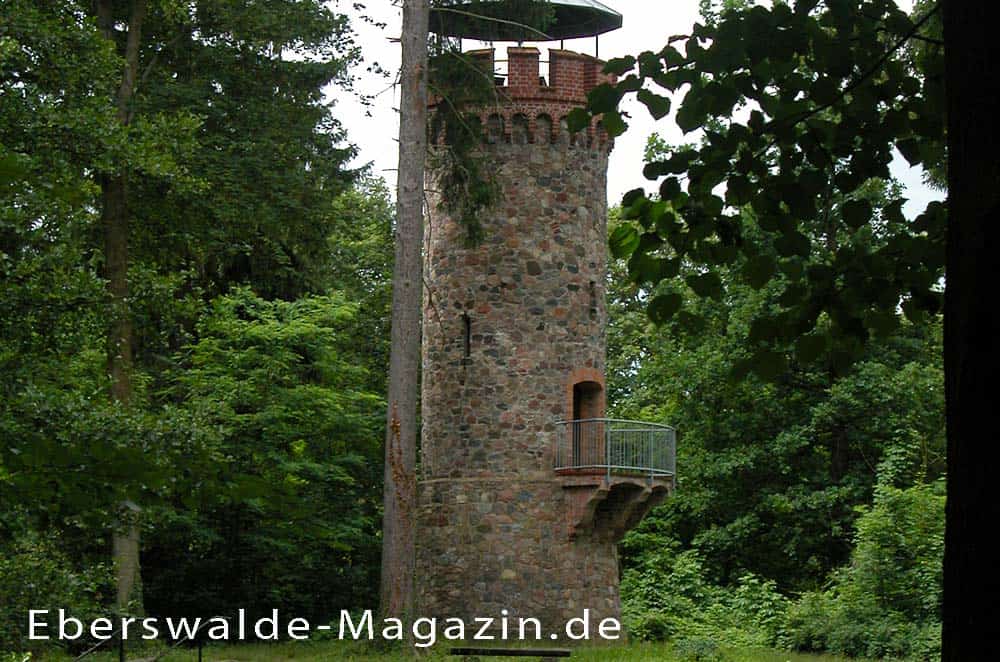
615,447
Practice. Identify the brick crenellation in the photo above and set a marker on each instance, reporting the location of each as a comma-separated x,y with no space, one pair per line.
531,108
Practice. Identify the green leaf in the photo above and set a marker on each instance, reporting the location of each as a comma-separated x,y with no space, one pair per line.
763,329
707,285
882,324
825,90
670,188
856,213
619,65
13,168
659,107
614,124
663,307
578,120
810,347
603,99
759,270
739,191
623,241
632,197
690,322
793,244
769,365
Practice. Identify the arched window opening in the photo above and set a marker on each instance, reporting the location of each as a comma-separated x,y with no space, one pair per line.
543,130
519,132
494,129
564,130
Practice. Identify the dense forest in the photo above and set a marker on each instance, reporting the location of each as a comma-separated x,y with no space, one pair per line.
194,340
257,297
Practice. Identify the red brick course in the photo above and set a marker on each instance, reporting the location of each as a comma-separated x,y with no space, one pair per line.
571,77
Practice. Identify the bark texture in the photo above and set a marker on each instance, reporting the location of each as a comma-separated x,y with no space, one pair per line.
971,581
407,296
115,223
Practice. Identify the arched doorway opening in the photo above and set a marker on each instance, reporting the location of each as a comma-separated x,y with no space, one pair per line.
587,432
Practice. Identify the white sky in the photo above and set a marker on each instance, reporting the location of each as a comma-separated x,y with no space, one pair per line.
647,25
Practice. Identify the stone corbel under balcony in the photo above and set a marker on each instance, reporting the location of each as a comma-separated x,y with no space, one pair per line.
613,472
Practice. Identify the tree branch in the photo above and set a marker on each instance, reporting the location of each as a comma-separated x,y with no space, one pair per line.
875,68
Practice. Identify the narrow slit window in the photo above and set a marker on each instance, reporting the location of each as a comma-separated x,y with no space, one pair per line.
467,324
593,300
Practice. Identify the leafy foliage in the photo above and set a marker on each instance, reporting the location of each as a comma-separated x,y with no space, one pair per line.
465,185
237,178
772,472
294,478
36,574
800,107
887,602
668,597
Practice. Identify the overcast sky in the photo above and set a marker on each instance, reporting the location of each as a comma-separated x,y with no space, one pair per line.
647,25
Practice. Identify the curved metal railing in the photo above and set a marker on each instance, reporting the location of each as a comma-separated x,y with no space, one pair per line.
613,446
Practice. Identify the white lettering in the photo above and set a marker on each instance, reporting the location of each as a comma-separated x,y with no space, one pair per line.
613,626
534,621
392,629
481,633
219,631
366,617
32,624
273,622
585,622
149,625
184,629
105,627
457,626
425,639
64,621
297,625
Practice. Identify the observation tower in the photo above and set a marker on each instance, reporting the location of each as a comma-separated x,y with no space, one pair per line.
525,486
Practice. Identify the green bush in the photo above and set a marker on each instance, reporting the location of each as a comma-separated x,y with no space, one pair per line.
887,602
668,597
35,574
697,649
652,626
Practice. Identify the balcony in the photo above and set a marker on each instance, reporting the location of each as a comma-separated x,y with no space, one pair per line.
611,447
613,472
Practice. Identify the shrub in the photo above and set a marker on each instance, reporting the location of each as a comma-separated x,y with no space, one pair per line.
698,649
34,574
886,603
668,597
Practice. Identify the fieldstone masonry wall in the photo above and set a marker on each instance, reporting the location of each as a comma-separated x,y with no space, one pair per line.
508,328
508,324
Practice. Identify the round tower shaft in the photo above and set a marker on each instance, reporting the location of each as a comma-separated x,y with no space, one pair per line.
513,344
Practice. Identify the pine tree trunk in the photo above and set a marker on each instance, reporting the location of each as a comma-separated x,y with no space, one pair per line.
971,581
115,224
407,296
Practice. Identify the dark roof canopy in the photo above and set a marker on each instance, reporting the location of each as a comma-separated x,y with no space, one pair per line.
573,18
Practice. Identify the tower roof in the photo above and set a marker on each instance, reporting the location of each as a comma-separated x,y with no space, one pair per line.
573,18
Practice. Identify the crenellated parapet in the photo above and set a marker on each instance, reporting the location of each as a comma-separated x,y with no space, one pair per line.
532,108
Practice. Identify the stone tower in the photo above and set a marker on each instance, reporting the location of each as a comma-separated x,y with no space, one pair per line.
525,489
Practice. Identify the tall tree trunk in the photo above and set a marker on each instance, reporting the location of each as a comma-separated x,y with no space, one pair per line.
115,222
971,583
407,298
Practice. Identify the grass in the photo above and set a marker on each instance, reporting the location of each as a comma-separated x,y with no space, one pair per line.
349,651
